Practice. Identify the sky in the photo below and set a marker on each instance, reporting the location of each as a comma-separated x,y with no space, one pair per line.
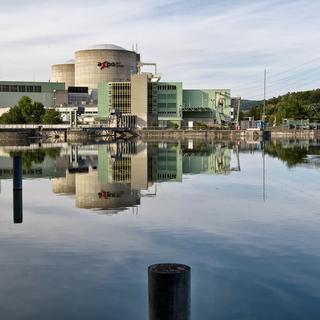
205,44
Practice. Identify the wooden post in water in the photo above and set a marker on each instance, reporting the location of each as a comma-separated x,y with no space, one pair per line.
169,291
17,190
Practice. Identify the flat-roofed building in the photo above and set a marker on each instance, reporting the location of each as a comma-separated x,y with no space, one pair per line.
48,93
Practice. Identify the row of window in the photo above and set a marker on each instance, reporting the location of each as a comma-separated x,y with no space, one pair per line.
78,89
19,88
166,87
163,113
121,86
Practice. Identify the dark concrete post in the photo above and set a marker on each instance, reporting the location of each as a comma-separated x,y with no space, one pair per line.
17,190
169,291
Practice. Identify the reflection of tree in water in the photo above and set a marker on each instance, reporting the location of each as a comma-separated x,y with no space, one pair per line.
291,155
30,157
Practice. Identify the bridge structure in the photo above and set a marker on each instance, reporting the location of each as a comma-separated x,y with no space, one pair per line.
45,130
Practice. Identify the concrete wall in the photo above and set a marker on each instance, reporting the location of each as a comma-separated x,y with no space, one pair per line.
61,97
139,99
139,170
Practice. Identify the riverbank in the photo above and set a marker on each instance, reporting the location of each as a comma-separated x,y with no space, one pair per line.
178,134
82,135
295,133
249,134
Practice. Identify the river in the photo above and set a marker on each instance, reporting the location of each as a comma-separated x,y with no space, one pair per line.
245,217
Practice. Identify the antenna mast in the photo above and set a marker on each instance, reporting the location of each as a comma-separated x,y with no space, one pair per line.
264,94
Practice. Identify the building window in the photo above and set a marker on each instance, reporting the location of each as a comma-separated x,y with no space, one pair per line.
13,88
37,89
5,88
29,88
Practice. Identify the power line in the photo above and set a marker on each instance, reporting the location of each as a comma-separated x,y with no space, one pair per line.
274,76
295,67
295,75
312,76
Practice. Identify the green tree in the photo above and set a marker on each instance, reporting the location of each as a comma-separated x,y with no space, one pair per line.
31,112
294,105
13,116
51,116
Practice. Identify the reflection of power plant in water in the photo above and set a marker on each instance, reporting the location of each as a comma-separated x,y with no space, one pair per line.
211,158
113,180
92,193
117,177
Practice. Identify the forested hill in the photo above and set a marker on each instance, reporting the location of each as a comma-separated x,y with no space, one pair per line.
246,104
295,105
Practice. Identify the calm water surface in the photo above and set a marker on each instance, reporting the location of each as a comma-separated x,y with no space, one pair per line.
247,222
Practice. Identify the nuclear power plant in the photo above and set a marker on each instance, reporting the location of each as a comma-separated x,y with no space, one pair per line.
106,78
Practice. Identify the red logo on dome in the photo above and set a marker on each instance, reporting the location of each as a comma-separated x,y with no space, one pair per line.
103,65
107,64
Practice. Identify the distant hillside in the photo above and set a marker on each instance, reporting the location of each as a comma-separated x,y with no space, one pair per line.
246,104
293,105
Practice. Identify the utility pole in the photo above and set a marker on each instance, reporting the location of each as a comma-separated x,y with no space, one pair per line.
264,94
238,110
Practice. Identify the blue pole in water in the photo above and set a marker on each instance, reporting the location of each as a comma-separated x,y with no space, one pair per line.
17,190
17,173
169,291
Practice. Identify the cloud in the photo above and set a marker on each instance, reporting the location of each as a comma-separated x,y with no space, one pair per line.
202,43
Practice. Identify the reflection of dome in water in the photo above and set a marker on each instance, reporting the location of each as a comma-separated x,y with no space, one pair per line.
92,194
65,185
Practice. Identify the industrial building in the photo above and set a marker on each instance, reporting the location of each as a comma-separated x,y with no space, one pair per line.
114,81
208,106
48,93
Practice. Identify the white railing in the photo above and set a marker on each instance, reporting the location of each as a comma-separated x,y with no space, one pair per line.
34,126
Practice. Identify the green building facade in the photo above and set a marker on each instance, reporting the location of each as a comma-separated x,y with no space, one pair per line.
169,104
210,106
45,92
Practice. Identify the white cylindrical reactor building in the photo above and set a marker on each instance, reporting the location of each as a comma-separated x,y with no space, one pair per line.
64,72
104,63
